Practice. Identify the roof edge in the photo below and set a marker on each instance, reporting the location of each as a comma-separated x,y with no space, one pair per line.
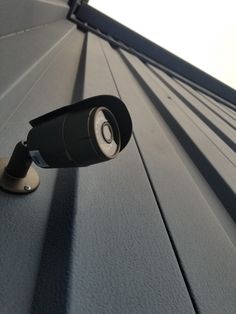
119,35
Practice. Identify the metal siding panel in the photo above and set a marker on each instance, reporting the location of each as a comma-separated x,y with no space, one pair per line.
218,160
23,59
202,244
24,218
201,122
218,126
227,109
151,231
122,258
20,15
217,110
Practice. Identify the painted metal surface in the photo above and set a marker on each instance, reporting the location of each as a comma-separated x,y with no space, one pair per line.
152,231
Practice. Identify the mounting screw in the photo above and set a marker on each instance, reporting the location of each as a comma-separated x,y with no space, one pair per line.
27,188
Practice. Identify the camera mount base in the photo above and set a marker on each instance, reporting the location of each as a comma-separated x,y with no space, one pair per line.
16,185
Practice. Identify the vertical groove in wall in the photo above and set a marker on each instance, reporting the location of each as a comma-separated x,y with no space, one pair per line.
158,204
191,102
209,105
114,236
78,89
168,230
207,151
223,190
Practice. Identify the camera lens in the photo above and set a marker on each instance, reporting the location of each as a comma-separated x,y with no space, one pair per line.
106,133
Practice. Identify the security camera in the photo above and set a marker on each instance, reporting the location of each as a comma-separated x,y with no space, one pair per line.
82,134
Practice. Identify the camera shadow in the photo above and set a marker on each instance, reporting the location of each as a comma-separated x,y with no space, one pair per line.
52,285
78,89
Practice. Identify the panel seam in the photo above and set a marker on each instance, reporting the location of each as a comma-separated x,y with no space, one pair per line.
180,264
178,259
29,29
41,75
224,138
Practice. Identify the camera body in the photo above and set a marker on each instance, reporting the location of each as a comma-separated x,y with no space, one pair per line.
89,132
85,133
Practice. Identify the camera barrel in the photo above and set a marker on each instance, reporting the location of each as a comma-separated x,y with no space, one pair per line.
75,139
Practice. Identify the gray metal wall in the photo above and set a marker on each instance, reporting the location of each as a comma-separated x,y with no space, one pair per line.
150,232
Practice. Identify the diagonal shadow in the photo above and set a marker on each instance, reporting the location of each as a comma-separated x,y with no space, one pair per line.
217,183
78,89
51,293
52,284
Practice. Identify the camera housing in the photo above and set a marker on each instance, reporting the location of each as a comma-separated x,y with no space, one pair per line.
91,131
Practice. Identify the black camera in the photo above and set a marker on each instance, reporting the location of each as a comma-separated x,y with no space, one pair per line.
85,133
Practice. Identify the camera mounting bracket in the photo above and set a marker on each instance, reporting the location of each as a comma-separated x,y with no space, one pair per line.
16,174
